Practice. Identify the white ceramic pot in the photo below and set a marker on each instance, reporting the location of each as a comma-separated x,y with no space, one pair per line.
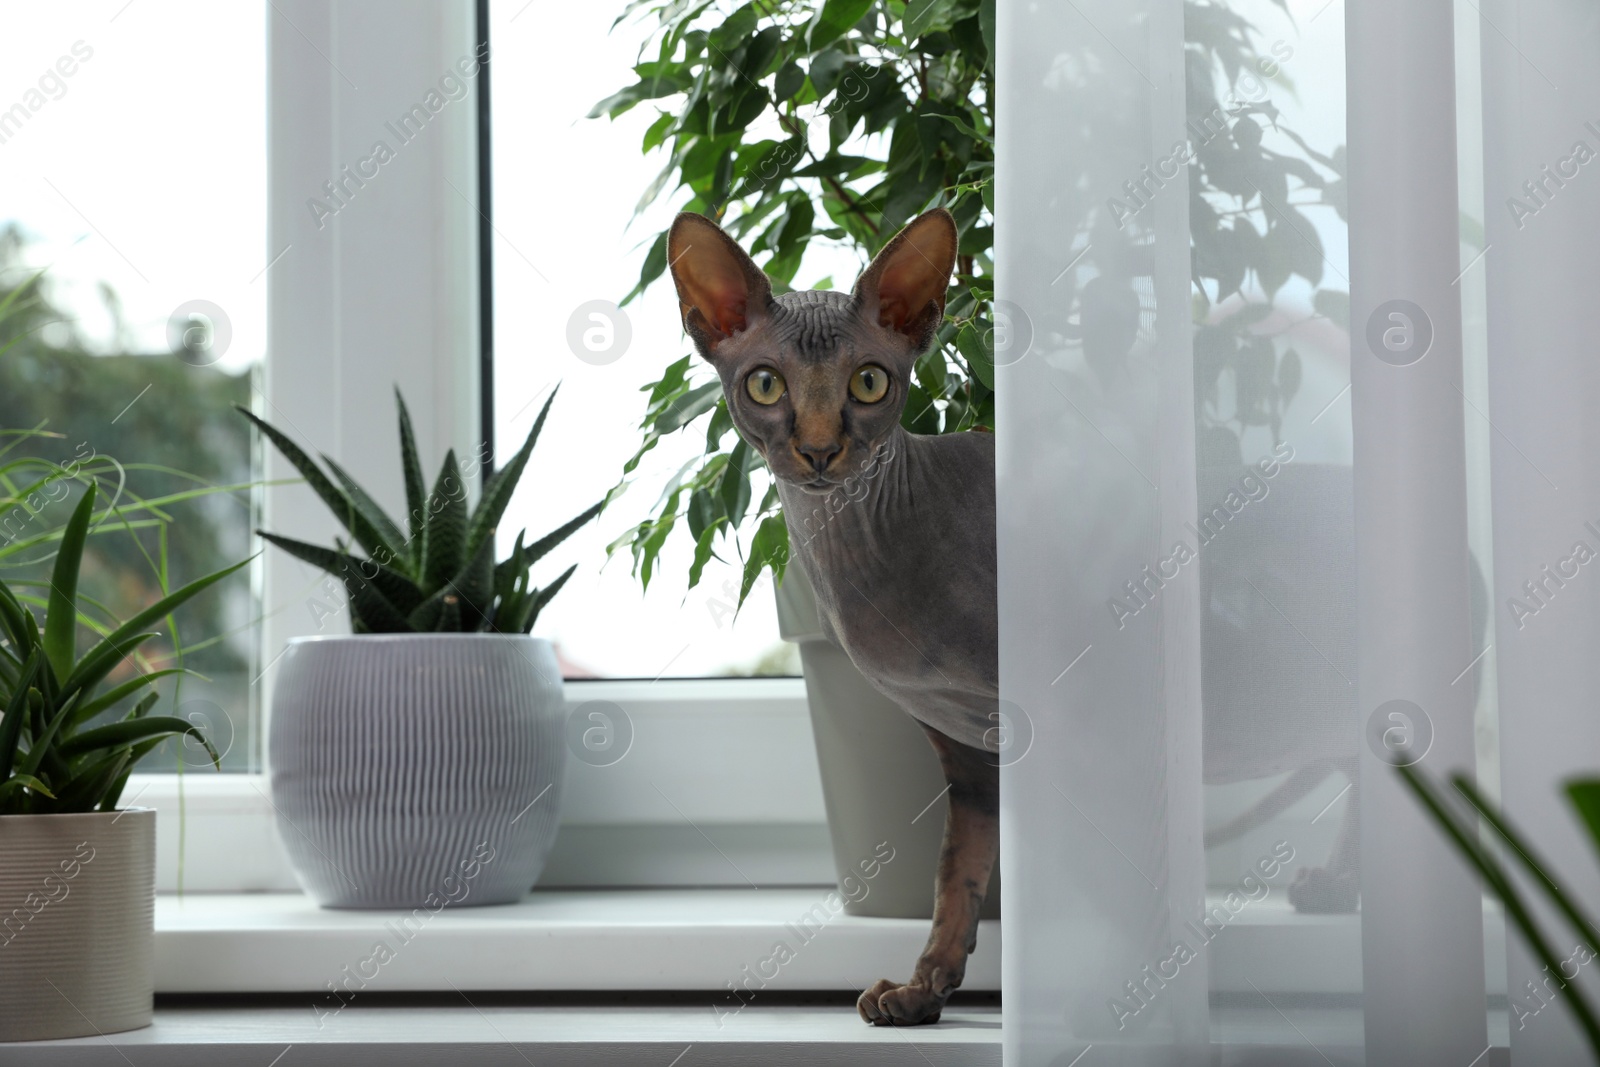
417,770
77,923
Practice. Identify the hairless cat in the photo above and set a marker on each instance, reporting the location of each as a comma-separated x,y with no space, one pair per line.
904,569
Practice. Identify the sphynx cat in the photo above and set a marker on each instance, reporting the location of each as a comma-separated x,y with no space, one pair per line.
904,568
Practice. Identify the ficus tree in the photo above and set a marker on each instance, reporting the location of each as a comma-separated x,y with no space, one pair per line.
797,121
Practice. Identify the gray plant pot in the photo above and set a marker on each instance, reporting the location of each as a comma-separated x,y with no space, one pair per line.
417,770
77,924
881,781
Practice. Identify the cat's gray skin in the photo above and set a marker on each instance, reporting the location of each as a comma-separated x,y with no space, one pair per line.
895,531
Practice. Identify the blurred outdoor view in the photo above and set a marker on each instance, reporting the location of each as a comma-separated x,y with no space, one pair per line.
133,217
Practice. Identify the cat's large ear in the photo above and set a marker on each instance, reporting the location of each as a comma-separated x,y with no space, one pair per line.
721,291
904,288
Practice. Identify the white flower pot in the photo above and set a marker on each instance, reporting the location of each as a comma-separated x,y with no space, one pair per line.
417,770
77,924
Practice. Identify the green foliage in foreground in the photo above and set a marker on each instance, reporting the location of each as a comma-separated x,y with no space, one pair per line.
1459,822
51,760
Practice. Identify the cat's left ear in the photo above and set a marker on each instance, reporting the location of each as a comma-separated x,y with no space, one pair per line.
904,288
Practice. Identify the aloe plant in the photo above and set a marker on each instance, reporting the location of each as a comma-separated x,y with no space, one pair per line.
52,760
441,576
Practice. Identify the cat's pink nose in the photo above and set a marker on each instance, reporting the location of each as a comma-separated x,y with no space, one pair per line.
819,455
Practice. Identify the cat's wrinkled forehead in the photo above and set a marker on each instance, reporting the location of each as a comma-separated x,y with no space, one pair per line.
815,325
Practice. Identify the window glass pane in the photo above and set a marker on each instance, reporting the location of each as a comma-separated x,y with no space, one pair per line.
132,182
565,188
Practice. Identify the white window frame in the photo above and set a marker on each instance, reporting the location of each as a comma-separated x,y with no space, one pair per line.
721,785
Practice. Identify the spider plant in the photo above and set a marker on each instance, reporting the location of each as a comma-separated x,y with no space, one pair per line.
52,759
441,577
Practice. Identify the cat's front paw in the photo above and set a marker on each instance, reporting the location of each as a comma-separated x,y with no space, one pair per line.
888,1004
1320,891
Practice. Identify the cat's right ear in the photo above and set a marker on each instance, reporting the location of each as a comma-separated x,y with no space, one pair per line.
721,291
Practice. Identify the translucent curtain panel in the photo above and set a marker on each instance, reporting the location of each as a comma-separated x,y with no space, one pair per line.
1234,574
1541,120
1102,812
1421,910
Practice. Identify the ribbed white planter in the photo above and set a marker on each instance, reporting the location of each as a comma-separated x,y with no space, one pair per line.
417,770
77,923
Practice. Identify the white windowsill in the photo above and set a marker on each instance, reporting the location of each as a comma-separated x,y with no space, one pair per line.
556,940
627,940
549,1036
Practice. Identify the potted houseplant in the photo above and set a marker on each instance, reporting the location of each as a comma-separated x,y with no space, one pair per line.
411,761
77,874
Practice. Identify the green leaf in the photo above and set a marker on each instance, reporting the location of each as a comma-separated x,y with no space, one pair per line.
475,586
769,548
61,620
84,790
788,82
1585,796
655,264
690,406
16,711
449,614
536,551
416,488
396,588
658,131
444,533
735,492
970,342
394,542
112,697
702,553
372,612
835,18
650,89
545,596
117,734
342,506
923,15
18,782
115,645
502,485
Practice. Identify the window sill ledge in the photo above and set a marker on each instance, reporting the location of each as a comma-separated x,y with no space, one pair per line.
609,940
401,1036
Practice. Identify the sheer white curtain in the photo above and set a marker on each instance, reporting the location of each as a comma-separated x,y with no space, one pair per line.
1238,474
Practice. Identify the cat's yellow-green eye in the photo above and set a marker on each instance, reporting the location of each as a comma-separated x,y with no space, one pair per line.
869,384
765,386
